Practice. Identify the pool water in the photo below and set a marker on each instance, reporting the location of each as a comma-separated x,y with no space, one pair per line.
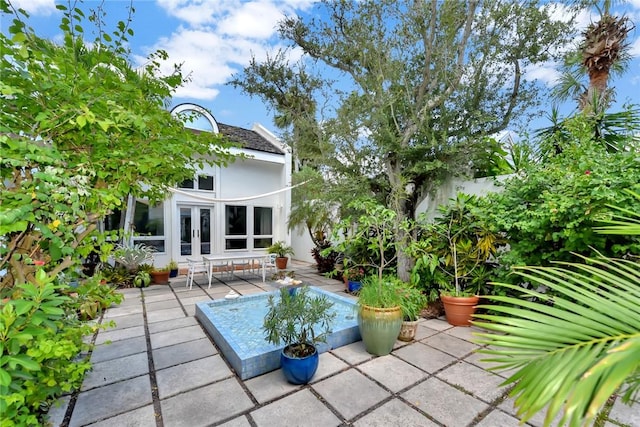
236,327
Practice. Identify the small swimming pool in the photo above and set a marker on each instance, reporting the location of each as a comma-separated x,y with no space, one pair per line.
236,327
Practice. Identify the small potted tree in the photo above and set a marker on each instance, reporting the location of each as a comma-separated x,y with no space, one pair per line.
379,313
282,250
298,320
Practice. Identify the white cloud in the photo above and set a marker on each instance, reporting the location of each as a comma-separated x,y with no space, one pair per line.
255,19
219,38
36,7
544,73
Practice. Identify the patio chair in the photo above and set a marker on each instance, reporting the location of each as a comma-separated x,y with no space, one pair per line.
244,265
268,263
197,267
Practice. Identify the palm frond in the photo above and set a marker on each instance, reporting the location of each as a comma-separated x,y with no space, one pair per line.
574,349
626,224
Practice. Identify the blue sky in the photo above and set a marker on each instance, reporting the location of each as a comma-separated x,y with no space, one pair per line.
216,38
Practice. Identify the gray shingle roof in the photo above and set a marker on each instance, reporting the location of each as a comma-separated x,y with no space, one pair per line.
247,139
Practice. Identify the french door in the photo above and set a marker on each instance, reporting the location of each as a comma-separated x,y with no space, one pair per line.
196,232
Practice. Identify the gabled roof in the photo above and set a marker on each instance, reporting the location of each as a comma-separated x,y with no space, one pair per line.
249,139
258,139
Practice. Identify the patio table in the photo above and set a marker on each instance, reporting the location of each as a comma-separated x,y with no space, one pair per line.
236,256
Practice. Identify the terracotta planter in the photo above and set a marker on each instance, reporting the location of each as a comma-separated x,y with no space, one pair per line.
281,262
459,309
379,328
160,277
408,330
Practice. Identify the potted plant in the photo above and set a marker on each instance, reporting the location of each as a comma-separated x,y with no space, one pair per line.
379,307
412,302
173,268
460,247
298,320
282,250
132,258
160,275
354,277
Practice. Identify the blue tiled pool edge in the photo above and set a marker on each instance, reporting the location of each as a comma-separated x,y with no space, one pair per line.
251,366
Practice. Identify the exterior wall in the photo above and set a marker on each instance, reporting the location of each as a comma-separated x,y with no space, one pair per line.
264,173
449,189
302,243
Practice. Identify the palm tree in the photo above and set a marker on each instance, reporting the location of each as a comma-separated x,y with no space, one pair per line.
603,50
576,346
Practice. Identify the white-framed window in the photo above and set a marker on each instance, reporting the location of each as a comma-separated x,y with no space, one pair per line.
148,225
202,183
262,227
238,234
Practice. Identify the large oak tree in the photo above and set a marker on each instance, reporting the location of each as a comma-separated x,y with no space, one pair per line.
416,87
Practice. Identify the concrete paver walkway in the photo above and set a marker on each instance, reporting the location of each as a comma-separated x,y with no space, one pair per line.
158,367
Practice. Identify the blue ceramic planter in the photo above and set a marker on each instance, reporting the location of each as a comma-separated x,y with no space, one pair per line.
354,286
299,371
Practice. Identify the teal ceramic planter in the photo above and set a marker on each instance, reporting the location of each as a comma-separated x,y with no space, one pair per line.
379,328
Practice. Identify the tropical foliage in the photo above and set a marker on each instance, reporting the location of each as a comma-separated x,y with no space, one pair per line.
455,250
576,346
40,338
549,213
81,131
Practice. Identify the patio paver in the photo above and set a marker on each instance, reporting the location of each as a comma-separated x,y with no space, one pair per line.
299,409
190,375
206,405
394,413
183,352
113,399
395,374
350,393
445,403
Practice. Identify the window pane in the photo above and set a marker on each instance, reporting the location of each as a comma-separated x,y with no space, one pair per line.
187,183
148,220
205,183
236,244
262,243
262,221
205,231
236,220
114,221
158,245
185,231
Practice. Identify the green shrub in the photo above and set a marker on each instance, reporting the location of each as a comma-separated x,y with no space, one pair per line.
550,212
40,340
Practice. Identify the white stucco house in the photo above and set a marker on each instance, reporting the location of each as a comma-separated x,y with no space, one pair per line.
243,206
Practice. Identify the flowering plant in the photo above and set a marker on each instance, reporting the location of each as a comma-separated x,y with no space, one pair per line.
355,274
